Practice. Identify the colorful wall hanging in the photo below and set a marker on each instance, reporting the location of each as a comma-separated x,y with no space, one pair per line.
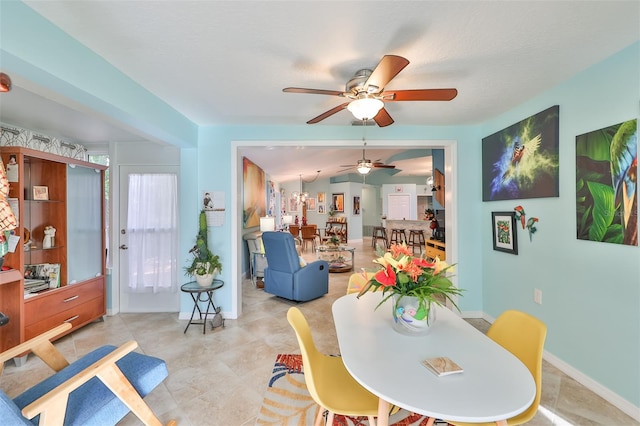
521,161
254,194
607,184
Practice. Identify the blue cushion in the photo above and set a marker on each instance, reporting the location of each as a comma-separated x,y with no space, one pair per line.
93,403
10,413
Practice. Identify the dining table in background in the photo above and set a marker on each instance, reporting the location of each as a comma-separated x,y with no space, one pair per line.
494,386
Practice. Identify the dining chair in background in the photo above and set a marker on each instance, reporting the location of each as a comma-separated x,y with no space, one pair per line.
328,381
295,230
523,335
309,234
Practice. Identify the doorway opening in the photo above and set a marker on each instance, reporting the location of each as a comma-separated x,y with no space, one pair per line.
450,166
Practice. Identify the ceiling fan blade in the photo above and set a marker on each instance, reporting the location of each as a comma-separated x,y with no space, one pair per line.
344,170
383,166
420,95
312,91
388,67
382,118
328,113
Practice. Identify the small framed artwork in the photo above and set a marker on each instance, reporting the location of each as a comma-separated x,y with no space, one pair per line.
40,192
293,205
311,204
322,209
505,237
356,205
338,202
322,197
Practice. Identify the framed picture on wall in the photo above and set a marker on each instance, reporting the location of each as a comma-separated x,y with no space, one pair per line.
522,160
337,200
293,205
322,209
311,204
356,205
322,197
254,194
504,233
604,173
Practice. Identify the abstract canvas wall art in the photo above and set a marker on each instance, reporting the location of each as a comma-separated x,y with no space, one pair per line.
521,161
254,194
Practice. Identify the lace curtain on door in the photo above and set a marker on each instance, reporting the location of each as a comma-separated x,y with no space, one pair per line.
152,232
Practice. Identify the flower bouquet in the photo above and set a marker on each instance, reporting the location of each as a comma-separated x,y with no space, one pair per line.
415,283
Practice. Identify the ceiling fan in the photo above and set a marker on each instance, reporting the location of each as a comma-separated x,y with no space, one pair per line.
365,165
367,96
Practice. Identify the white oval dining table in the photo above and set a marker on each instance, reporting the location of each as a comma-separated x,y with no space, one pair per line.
494,386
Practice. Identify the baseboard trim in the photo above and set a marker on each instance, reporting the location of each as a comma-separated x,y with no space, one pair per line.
586,381
472,314
597,388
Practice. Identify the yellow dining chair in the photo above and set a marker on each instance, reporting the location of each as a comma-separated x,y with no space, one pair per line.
328,381
358,280
523,335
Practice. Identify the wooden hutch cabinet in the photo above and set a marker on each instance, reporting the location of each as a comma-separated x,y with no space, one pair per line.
337,227
73,204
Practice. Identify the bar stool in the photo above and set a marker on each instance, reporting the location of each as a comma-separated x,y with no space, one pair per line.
416,239
398,236
379,233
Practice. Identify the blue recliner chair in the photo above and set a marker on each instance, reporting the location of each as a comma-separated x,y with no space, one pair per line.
284,277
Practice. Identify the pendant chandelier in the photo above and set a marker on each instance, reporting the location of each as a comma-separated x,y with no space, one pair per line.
300,196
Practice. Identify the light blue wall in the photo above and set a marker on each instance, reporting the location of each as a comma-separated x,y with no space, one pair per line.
590,290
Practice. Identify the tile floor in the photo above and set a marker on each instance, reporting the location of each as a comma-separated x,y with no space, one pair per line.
219,378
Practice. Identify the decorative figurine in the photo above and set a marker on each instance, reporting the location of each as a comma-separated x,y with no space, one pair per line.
49,236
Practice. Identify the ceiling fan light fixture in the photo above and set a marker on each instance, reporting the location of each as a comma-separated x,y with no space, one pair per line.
364,167
365,108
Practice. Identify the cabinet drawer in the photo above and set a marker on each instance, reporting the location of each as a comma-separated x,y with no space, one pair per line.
434,252
77,316
62,299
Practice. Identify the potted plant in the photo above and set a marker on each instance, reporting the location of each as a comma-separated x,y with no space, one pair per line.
334,240
205,265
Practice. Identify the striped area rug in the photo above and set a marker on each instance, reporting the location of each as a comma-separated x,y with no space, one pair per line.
287,401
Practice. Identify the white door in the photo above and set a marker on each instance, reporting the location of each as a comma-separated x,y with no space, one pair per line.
399,207
164,301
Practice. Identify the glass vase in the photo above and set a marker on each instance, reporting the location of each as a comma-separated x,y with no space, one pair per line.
409,318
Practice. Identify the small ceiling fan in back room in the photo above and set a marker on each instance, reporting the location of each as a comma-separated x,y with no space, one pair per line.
365,165
367,95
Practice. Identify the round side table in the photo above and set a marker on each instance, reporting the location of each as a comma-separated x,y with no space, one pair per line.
202,294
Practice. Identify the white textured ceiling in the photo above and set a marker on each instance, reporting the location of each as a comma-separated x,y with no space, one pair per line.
226,62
